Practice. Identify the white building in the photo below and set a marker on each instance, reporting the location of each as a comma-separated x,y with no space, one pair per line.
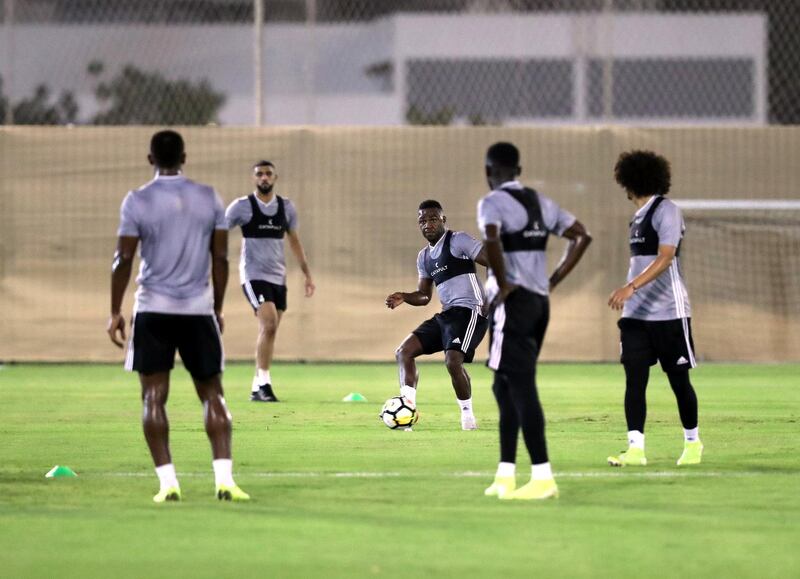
512,68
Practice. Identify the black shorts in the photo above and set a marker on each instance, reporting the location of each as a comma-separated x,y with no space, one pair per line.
454,329
156,337
669,342
257,292
518,328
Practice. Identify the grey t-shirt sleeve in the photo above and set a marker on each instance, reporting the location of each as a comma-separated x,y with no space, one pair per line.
668,223
464,245
128,218
238,213
488,214
291,216
421,265
220,222
556,219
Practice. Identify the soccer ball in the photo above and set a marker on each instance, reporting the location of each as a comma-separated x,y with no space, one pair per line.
399,412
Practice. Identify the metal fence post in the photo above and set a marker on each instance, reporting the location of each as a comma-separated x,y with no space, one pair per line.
8,61
258,52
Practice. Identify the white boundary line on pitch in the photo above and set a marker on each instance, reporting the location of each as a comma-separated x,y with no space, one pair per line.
626,472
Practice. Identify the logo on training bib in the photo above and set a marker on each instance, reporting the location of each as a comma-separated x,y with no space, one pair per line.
260,299
535,232
637,238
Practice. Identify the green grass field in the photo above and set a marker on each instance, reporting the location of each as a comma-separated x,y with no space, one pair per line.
336,494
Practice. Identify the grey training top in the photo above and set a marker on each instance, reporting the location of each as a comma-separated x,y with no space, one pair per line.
174,218
462,290
664,298
525,268
261,258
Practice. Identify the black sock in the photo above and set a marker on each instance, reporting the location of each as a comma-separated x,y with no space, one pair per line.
686,397
636,377
522,387
509,423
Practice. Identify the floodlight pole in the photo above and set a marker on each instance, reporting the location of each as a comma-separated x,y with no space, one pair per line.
608,60
258,53
311,62
8,61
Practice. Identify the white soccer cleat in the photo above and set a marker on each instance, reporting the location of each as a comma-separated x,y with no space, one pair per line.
468,422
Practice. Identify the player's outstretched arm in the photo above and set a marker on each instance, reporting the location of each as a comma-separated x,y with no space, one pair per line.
300,254
120,276
219,271
666,253
579,240
421,297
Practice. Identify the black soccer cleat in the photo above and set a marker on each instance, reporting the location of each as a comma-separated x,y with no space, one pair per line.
263,394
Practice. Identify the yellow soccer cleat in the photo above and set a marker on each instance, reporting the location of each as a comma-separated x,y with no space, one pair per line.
631,457
533,491
232,493
172,494
501,486
692,453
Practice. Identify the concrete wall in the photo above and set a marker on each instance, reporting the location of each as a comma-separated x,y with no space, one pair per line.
357,190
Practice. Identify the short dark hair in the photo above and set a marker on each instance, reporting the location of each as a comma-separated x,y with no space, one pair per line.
503,154
262,163
643,173
167,150
430,204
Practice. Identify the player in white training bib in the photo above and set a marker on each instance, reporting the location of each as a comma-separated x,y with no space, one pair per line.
448,262
265,218
656,317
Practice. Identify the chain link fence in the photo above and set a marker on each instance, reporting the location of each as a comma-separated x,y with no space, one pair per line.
394,62
721,71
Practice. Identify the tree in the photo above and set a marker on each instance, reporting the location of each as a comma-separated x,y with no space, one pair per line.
416,116
38,109
137,97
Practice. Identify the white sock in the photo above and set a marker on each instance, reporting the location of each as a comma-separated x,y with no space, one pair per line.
254,386
541,471
223,471
466,406
691,434
410,393
166,476
506,469
636,439
263,377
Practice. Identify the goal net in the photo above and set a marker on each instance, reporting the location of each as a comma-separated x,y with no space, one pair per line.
742,265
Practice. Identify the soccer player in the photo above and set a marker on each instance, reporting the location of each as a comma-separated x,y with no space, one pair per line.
656,317
181,226
516,222
448,261
265,218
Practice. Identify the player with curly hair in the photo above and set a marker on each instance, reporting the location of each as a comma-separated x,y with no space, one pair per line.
656,317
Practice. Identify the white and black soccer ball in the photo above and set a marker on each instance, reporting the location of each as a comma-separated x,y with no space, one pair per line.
399,412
